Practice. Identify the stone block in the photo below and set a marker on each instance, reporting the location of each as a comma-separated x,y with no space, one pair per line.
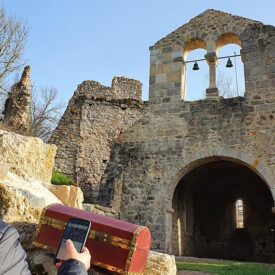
174,76
69,195
161,78
160,264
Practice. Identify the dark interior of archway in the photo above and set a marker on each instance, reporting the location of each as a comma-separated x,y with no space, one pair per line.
204,221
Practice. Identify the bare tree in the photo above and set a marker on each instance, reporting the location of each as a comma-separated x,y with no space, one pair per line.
46,112
13,36
226,86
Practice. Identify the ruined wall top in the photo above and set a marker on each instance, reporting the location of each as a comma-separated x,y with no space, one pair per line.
17,110
122,88
26,78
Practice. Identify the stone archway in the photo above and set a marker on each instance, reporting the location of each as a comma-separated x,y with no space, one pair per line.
213,183
202,157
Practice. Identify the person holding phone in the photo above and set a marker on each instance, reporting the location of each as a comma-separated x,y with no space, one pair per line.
72,251
74,263
13,256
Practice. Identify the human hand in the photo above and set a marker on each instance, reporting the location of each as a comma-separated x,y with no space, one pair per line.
71,253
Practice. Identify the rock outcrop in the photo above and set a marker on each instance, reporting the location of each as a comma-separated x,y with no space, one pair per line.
25,174
28,158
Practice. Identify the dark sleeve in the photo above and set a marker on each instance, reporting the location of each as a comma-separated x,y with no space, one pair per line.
12,255
72,267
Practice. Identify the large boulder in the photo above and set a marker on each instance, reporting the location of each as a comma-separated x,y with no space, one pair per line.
25,174
160,264
37,194
28,158
16,208
70,195
17,211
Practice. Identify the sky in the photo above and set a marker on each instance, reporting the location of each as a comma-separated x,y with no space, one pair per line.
75,40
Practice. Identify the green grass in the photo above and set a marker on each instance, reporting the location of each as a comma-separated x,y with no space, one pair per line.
61,179
223,267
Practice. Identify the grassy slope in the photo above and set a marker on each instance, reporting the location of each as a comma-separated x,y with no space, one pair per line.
228,268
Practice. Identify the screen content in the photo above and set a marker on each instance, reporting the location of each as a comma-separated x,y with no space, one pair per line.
76,233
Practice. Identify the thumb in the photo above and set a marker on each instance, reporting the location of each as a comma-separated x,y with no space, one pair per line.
85,250
70,246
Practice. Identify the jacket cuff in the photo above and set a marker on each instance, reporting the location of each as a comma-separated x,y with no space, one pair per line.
73,267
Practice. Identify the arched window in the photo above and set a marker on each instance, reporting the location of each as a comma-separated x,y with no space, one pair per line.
239,214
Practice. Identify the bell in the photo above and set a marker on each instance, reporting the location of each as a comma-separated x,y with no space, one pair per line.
229,63
196,66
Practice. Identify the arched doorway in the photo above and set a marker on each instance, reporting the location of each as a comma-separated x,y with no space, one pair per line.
222,209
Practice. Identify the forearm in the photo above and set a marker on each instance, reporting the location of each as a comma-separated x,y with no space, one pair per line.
72,267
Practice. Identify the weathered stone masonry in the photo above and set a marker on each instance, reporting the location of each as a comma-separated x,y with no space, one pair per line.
174,137
95,116
17,111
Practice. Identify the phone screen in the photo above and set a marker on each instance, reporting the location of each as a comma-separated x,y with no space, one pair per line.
77,231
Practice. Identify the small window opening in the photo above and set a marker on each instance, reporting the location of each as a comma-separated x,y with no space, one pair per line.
239,214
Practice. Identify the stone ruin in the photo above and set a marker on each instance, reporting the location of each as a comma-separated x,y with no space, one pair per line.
95,116
17,109
200,174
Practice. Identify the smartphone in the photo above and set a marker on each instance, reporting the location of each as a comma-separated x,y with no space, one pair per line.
77,230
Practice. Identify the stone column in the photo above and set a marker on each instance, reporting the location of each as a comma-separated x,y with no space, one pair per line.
212,92
180,65
168,230
165,75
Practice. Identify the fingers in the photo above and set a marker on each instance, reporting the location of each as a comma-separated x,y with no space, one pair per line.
70,246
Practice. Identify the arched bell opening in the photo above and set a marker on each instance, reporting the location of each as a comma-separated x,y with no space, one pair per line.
230,68
222,209
196,71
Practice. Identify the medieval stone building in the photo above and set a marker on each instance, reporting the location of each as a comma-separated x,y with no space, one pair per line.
200,174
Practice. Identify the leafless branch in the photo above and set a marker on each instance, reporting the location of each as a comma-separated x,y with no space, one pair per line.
46,112
13,36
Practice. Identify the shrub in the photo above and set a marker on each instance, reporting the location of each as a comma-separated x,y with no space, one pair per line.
61,179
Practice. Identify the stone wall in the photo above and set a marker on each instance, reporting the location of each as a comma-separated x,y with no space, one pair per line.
174,136
95,116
